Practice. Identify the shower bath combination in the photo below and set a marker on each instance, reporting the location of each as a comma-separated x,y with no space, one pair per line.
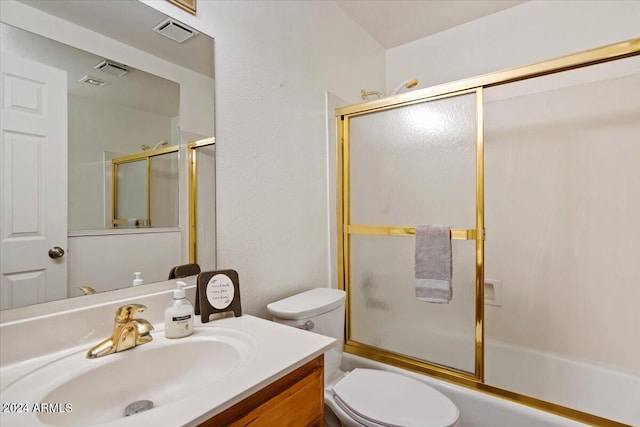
409,84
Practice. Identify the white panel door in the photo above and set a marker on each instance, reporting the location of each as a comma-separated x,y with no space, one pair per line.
33,182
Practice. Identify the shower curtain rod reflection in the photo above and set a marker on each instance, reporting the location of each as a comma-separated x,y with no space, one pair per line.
456,233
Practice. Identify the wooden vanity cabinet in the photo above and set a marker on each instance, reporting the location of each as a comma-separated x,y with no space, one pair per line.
295,400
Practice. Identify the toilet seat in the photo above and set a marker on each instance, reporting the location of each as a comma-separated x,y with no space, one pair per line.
377,398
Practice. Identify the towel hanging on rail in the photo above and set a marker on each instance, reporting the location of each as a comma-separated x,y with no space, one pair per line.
433,263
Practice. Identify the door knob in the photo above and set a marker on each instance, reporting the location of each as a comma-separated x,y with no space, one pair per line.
56,252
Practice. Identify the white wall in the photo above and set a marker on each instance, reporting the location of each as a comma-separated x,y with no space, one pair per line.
274,63
531,32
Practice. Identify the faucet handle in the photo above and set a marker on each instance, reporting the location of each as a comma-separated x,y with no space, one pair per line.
126,312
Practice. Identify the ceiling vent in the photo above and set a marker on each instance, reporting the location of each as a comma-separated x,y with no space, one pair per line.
112,68
94,81
175,30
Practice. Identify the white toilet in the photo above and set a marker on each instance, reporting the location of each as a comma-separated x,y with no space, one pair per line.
362,397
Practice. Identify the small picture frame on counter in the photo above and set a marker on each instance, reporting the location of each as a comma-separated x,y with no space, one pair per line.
218,292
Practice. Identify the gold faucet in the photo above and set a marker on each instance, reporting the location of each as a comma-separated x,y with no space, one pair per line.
127,332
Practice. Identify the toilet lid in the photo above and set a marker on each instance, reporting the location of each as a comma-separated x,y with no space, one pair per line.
388,399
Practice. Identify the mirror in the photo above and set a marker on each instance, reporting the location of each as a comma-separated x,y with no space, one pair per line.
135,100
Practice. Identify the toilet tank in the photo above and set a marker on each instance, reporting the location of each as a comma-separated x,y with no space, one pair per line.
319,310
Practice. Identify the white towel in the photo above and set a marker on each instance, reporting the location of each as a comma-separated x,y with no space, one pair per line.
433,266
132,222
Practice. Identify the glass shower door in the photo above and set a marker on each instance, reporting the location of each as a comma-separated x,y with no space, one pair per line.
406,166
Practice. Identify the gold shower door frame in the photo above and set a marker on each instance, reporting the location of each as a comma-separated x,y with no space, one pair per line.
193,194
475,85
476,234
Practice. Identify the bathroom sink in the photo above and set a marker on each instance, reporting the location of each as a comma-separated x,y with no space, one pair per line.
79,392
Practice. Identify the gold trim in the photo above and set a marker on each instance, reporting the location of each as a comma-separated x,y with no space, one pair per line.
186,5
114,192
193,194
145,154
383,230
595,56
479,282
193,205
346,217
201,143
339,204
149,188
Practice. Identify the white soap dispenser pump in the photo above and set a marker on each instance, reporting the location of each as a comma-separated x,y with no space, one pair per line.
178,316
137,279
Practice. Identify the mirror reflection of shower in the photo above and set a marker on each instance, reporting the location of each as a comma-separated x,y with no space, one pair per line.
409,84
144,188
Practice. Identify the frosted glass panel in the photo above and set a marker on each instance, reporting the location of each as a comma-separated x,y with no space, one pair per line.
164,190
385,312
415,164
132,190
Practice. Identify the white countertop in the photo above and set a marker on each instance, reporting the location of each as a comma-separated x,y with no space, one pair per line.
279,350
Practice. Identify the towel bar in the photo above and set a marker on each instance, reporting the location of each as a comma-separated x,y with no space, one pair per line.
375,230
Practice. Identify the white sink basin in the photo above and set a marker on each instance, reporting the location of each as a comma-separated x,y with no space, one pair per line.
163,371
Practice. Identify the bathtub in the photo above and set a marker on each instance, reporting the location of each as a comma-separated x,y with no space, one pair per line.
591,388
569,383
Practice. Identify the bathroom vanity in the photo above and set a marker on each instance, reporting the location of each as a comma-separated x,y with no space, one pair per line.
228,372
299,393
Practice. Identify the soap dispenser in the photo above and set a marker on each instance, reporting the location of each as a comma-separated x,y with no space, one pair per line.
178,316
137,279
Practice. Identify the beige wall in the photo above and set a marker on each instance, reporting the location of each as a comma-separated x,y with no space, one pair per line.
562,211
